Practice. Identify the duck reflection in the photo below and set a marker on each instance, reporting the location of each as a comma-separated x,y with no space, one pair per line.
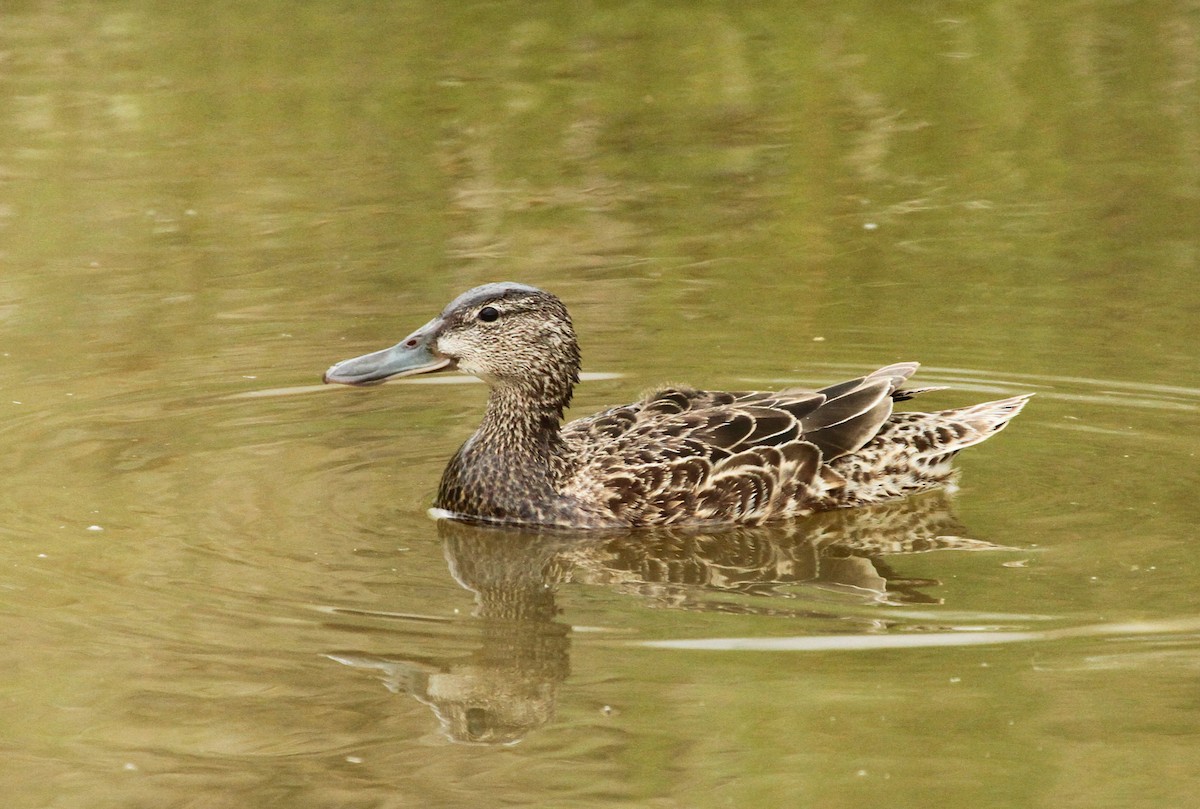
507,686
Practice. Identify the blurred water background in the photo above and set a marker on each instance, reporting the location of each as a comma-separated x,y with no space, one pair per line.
221,587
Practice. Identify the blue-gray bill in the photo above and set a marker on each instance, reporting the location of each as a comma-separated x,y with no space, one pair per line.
412,355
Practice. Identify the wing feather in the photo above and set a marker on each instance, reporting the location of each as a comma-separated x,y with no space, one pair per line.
683,454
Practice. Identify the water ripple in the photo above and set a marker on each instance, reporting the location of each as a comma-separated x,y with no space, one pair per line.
1109,392
964,636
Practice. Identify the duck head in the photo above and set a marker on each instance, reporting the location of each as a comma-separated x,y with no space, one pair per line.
509,335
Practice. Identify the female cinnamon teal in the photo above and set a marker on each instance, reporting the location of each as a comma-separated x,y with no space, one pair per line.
679,456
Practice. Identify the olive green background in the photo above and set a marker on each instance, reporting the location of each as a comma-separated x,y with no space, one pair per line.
202,207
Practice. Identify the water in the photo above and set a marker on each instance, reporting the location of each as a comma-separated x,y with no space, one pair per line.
221,586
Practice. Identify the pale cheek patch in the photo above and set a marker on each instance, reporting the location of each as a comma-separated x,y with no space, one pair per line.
465,353
451,345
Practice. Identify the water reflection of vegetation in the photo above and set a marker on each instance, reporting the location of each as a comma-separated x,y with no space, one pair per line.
1017,150
508,686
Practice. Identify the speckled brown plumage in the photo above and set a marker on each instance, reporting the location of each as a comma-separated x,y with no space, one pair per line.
679,456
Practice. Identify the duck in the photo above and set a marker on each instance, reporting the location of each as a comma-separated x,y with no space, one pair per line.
680,456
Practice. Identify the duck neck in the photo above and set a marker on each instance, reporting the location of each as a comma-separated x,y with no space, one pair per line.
514,464
522,427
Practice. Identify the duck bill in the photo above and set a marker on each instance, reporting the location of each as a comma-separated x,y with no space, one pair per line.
412,355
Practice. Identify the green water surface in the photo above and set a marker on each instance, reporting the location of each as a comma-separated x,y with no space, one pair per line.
220,585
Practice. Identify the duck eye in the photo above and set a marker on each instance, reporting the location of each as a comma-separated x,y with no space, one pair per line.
488,314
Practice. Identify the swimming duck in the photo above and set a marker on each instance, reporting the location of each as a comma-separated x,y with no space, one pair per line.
679,456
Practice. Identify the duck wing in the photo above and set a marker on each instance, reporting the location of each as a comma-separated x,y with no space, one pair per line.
853,411
692,455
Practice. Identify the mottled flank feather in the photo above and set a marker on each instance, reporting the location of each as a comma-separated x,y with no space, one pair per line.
679,456
703,456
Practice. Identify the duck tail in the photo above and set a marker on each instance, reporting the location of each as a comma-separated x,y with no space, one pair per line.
987,418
